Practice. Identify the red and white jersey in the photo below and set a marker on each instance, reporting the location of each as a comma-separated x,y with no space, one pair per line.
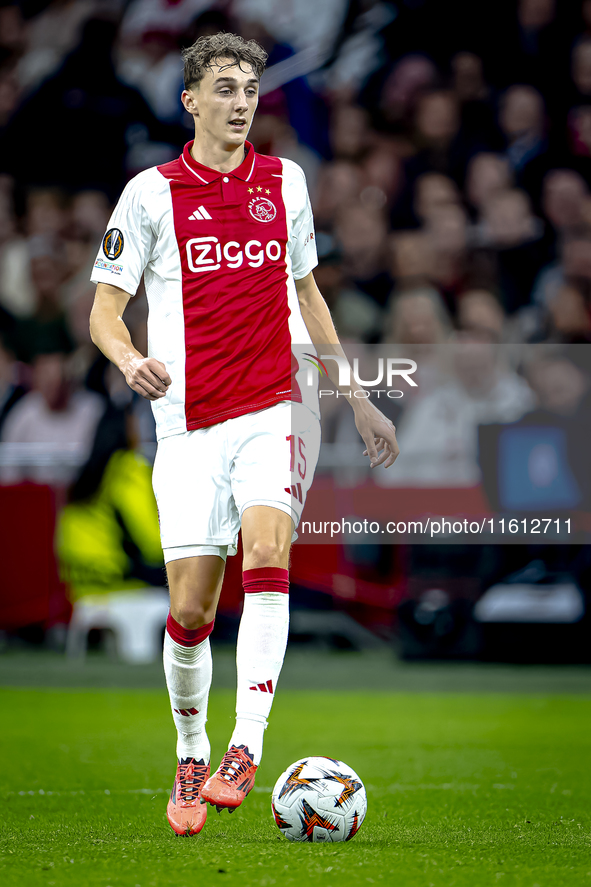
219,253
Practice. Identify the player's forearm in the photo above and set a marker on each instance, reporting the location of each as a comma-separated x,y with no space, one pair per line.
107,329
144,375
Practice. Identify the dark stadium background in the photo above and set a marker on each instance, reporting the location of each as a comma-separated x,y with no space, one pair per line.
447,147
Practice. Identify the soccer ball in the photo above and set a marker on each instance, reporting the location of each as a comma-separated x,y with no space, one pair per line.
320,800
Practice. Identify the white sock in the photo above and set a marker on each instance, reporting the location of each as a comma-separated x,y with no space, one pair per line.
262,639
188,678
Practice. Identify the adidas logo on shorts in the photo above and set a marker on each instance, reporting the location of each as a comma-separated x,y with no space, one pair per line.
296,491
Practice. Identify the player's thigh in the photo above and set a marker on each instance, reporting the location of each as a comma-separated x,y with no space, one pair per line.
195,585
266,537
275,455
191,481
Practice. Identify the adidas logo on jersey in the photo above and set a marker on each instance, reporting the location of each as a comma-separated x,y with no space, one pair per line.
200,214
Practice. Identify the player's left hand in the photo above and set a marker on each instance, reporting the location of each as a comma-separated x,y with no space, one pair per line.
378,433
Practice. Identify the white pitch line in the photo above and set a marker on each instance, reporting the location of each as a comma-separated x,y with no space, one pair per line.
107,791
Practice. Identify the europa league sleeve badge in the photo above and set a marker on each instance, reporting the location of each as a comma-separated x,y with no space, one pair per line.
113,243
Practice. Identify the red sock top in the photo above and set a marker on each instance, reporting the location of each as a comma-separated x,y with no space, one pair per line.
266,579
187,637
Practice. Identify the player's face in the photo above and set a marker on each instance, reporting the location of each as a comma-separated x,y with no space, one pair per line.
224,102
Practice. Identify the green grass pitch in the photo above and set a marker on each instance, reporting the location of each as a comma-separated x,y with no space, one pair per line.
463,790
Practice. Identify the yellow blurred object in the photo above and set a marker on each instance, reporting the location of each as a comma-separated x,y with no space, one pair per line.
96,538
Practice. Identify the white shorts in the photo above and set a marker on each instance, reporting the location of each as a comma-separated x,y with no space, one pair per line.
204,480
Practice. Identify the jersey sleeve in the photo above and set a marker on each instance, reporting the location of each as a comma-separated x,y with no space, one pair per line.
302,242
128,242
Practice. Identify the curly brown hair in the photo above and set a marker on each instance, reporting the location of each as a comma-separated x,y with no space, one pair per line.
206,50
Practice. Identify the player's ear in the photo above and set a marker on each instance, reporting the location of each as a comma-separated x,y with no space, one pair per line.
189,100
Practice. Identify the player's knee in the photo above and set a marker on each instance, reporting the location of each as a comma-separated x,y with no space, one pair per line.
191,615
267,554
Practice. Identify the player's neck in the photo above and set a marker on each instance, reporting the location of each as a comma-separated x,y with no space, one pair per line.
215,155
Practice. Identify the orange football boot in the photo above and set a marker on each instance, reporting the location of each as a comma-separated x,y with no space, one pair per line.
184,812
232,781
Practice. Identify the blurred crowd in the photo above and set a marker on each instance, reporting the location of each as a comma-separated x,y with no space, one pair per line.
447,148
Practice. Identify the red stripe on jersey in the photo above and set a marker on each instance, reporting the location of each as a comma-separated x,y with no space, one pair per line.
234,281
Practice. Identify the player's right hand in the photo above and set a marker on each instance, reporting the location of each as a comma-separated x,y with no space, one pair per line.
147,376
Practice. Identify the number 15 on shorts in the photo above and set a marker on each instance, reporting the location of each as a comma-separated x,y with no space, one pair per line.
296,454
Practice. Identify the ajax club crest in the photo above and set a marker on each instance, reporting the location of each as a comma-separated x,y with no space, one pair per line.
262,209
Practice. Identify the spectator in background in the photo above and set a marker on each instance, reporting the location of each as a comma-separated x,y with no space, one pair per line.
564,193
50,36
440,147
356,316
571,116
349,132
418,317
339,183
581,69
522,122
564,202
108,537
46,328
12,29
69,103
16,290
10,92
536,33
411,260
44,223
559,384
579,136
481,313
47,212
362,236
381,175
586,16
57,417
468,78
87,221
11,388
410,77
573,263
512,246
569,314
144,17
447,234
487,175
481,390
432,192
478,117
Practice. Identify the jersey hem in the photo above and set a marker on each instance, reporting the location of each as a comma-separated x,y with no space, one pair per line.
241,411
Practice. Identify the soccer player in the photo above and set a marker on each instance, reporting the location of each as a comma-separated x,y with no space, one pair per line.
224,239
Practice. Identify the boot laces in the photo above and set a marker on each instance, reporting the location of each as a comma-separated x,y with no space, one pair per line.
191,776
235,764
